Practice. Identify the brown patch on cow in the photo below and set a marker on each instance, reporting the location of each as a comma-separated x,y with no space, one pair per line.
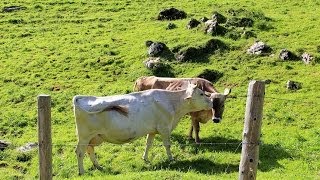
95,141
120,109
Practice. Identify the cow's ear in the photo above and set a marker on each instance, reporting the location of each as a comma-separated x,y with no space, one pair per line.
227,92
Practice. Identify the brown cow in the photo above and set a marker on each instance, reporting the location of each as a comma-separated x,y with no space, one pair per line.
218,99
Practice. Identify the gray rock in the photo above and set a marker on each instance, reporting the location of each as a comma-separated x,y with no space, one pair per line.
28,147
292,85
156,48
4,144
306,58
259,48
287,55
152,62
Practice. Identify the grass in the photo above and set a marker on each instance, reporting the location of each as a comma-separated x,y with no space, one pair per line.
97,48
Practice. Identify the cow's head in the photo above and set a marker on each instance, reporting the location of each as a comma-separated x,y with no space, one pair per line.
218,101
197,98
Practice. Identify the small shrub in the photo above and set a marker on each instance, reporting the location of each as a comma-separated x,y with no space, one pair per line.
263,26
233,35
24,157
211,75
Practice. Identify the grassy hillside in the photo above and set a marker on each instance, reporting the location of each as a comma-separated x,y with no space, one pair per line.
66,48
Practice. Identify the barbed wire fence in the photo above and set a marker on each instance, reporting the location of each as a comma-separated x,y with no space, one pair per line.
199,145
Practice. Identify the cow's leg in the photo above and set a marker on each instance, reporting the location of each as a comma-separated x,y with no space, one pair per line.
80,151
90,150
150,138
196,126
166,142
191,130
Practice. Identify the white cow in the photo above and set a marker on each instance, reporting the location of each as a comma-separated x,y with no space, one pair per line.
123,118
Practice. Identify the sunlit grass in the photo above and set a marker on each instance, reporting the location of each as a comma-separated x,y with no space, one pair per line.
97,48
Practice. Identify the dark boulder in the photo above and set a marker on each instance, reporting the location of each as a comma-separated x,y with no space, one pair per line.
156,48
4,145
192,23
204,19
287,55
148,43
171,14
218,17
171,26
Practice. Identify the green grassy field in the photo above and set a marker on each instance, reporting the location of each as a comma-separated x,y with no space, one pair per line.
66,48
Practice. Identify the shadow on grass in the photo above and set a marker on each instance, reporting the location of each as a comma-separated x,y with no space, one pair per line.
204,166
269,154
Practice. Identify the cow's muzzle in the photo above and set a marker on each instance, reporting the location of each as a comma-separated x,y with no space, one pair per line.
216,119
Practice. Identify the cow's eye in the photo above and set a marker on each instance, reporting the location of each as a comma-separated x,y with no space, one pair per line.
201,94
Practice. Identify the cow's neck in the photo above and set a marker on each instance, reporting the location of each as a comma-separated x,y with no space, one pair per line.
180,106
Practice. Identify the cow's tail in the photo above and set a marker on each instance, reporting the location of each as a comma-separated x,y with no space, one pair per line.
135,86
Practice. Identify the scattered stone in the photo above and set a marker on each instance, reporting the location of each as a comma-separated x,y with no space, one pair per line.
259,48
212,27
204,19
287,55
239,22
13,8
4,144
218,17
171,14
211,75
267,81
156,48
3,164
306,58
171,26
292,85
192,23
148,43
28,147
152,62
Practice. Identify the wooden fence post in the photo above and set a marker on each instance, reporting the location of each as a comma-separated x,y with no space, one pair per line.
251,131
44,137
